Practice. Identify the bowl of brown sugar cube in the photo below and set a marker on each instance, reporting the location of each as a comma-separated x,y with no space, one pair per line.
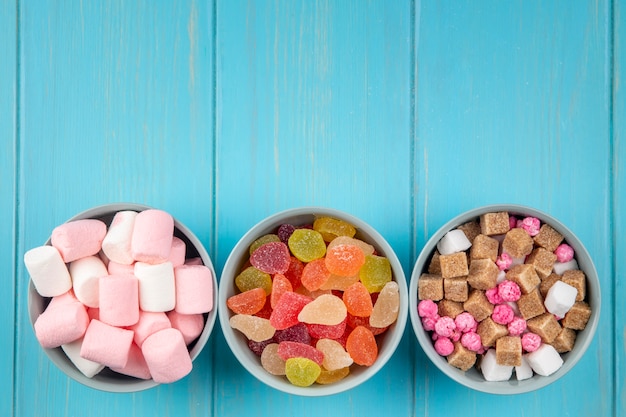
504,299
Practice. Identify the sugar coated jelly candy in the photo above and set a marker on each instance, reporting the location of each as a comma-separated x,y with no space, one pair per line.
362,347
387,307
289,349
253,327
330,377
354,321
280,285
375,273
271,361
315,274
330,228
271,258
251,278
262,241
302,372
336,282
285,314
247,302
259,347
357,300
323,331
344,260
307,245
295,333
345,240
294,272
326,309
284,232
335,356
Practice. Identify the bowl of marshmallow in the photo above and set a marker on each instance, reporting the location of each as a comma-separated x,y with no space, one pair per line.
122,297
504,299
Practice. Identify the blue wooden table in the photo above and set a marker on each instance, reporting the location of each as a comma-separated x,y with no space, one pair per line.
403,113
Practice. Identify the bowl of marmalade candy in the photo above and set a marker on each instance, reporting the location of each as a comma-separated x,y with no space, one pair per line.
314,301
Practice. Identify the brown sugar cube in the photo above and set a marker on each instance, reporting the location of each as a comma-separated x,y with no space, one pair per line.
525,276
453,265
478,305
547,283
484,247
471,230
577,316
564,342
430,287
546,326
542,260
434,267
531,305
461,357
449,308
455,289
490,331
576,278
483,274
548,238
494,223
517,243
509,351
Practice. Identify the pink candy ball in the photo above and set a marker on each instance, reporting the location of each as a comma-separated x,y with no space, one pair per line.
465,322
427,308
504,261
531,225
531,342
517,326
564,253
445,326
512,222
444,346
472,341
502,314
509,291
493,295
429,323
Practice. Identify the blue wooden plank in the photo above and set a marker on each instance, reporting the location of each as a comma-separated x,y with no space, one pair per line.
8,134
513,106
313,108
116,106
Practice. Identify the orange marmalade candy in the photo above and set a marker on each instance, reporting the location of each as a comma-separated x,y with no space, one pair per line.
330,228
280,285
247,302
345,260
358,300
315,274
362,347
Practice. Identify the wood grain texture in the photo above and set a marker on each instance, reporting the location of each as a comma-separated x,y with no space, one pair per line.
8,135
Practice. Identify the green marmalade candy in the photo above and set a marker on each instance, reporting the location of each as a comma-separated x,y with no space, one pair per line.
251,278
302,372
307,245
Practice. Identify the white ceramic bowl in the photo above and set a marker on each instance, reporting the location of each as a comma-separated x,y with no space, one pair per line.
108,380
473,378
387,342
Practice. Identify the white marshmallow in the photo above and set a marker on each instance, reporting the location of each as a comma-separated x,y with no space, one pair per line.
453,241
545,360
48,271
524,371
517,261
86,273
116,243
87,367
500,277
491,370
560,298
560,267
157,286
514,307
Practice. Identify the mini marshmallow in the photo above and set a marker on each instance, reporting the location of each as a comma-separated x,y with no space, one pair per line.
149,322
47,271
119,300
152,236
115,268
560,298
85,273
178,252
545,361
194,289
157,288
560,267
78,238
491,370
524,371
453,241
64,320
87,367
189,325
105,344
167,357
136,365
116,243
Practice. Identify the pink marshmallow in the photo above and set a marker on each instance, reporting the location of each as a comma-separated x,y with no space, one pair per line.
530,342
194,289
444,346
152,236
465,322
194,261
178,252
107,345
119,300
445,326
167,357
472,341
136,365
119,269
517,326
64,320
87,367
531,225
509,291
502,314
149,323
504,261
564,253
93,313
189,325
427,308
493,296
47,271
78,238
